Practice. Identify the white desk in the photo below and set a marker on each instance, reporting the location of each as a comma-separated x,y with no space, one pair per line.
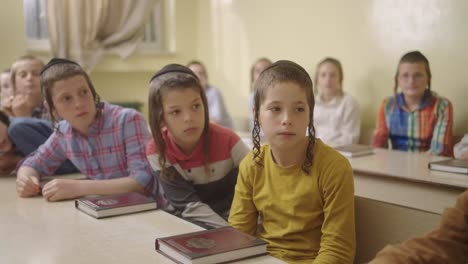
35,231
404,179
398,197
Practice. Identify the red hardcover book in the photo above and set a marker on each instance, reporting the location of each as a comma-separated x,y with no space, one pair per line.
118,204
220,245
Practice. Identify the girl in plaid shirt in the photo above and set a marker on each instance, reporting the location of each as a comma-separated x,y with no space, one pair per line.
415,119
104,142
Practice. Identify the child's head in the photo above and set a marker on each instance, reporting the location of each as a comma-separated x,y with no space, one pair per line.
25,77
6,89
413,75
199,69
284,104
5,143
69,93
178,102
329,77
257,68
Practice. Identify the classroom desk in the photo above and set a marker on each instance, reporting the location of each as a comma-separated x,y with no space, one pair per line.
398,197
35,231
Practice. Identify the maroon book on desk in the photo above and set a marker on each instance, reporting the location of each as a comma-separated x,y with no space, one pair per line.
117,204
211,246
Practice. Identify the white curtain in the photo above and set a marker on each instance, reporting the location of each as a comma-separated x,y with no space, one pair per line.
81,30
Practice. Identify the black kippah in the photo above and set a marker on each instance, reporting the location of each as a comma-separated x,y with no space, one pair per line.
173,68
55,61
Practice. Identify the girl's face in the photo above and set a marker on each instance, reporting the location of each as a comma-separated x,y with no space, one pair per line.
6,90
412,79
74,102
259,67
284,116
328,80
27,78
184,117
5,144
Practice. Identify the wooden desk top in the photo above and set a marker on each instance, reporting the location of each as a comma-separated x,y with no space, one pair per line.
36,231
408,166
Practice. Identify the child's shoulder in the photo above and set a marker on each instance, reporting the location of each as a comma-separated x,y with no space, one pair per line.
249,163
326,156
119,112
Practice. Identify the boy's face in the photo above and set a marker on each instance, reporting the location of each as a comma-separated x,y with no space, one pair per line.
184,117
5,144
284,116
412,79
74,102
27,78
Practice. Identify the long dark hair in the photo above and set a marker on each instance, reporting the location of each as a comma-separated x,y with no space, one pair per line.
161,85
283,71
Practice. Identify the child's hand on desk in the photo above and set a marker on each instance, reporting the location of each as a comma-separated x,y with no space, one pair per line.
27,185
61,189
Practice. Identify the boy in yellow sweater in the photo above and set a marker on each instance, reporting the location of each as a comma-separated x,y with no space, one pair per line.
301,190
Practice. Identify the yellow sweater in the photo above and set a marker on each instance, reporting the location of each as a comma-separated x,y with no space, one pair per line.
303,217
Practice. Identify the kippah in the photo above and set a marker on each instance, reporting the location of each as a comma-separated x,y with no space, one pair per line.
55,61
173,68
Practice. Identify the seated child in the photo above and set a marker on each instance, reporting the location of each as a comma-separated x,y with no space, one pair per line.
337,118
301,190
6,91
198,170
415,119
19,137
105,142
27,100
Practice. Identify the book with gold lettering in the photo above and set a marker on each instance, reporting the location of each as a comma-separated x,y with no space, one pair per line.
219,245
117,204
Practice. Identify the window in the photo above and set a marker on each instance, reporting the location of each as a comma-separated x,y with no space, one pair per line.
37,35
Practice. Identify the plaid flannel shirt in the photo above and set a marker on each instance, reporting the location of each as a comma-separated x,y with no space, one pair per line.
114,147
428,128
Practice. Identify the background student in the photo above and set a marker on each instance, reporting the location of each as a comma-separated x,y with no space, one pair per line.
257,68
199,167
447,243
415,119
28,100
6,91
105,142
301,189
337,118
217,108
21,136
